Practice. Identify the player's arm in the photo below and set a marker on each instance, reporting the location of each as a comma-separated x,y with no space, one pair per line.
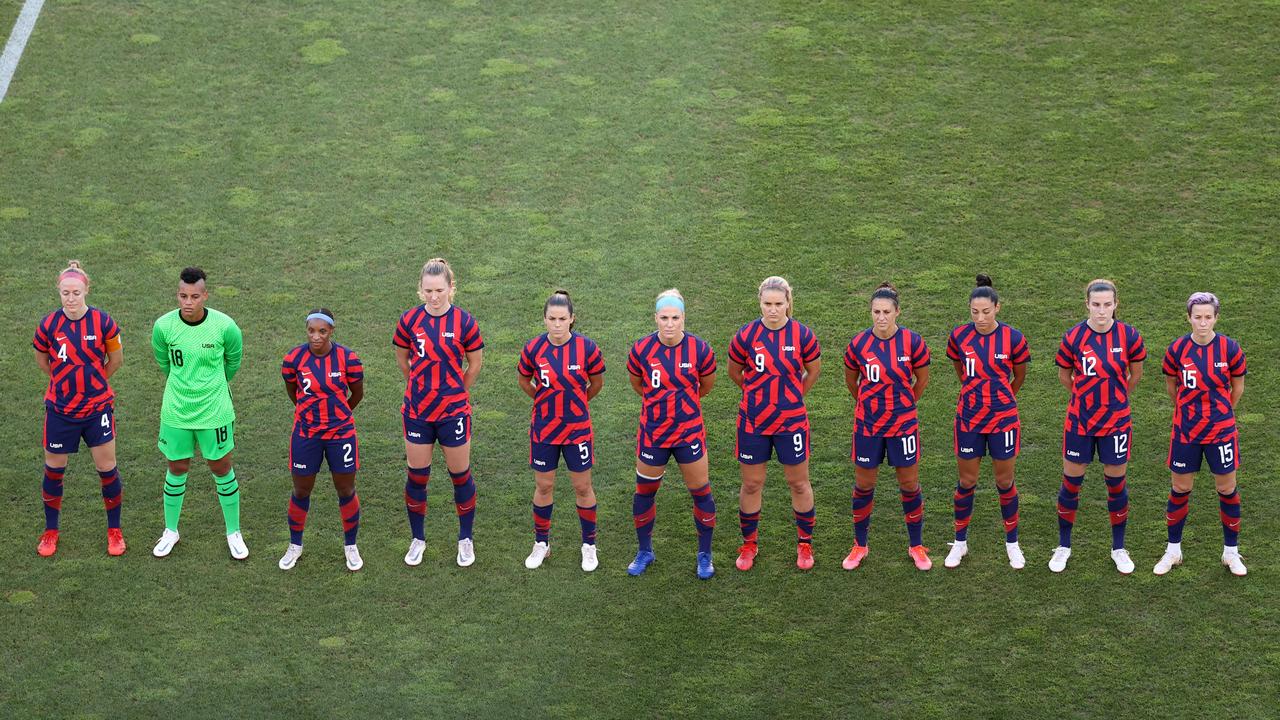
594,384
960,371
1064,377
735,372
812,370
160,348
115,358
921,381
528,383
475,359
402,359
42,360
1135,374
1237,389
705,383
636,383
1019,377
291,389
232,350
852,376
355,393
1171,387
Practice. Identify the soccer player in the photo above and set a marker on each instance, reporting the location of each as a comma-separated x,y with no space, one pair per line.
1204,374
671,370
991,361
325,381
775,360
1100,363
199,350
78,347
886,368
561,370
433,342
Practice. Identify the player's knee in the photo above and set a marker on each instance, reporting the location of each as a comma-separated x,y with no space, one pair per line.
180,467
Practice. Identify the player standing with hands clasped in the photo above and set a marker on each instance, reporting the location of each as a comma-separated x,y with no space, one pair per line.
200,351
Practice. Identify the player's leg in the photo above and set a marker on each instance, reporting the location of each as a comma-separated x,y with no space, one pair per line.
1224,461
349,509
1113,451
1175,514
299,502
455,439
544,483
793,453
644,507
695,470
419,442
1007,487
968,463
1077,453
912,496
216,445
55,468
178,447
104,460
578,460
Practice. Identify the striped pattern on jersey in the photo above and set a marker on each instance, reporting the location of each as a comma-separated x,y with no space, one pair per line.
1202,414
437,346
77,351
772,377
199,360
886,407
671,409
1099,362
323,382
986,403
561,415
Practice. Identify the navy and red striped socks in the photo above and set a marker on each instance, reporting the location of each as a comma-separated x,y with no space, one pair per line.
963,500
1009,513
644,508
349,508
704,516
586,520
749,523
1068,503
864,501
112,495
542,522
913,515
804,525
1229,512
415,500
464,498
1117,508
297,516
51,494
1175,514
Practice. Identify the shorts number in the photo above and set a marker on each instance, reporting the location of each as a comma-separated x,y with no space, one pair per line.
422,347
175,357
797,441
584,451
1089,364
220,434
1227,454
873,373
346,453
655,378
306,386
1008,438
106,421
1189,379
62,352
1122,443
543,379
909,445
970,367
759,362
462,426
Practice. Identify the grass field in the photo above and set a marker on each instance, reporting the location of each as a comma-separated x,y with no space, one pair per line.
309,153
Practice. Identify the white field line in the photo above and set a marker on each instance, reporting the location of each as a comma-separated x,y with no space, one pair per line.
18,42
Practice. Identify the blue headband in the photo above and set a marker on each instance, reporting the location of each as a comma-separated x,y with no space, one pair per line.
669,301
320,316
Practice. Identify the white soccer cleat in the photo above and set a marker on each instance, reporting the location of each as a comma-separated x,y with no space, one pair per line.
1172,558
1016,560
414,556
1124,563
959,549
354,561
539,553
165,544
235,543
290,557
1231,558
1058,562
589,561
466,552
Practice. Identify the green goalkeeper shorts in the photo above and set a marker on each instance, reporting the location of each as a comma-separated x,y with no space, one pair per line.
181,443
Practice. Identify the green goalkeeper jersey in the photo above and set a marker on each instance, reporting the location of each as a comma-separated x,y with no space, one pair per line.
199,359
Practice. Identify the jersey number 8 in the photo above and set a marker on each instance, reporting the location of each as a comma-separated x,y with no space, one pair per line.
655,378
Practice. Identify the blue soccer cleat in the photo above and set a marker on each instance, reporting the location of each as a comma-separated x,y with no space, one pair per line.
644,559
705,569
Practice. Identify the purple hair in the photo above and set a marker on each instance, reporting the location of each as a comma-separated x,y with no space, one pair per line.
1203,298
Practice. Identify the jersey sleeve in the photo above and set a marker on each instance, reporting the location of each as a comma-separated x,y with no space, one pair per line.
355,367
232,349
471,340
850,356
403,336
633,360
920,355
595,360
1170,364
737,349
159,347
810,350
706,359
1066,357
1021,353
953,347
1137,349
1235,360
289,368
525,365
110,333
41,340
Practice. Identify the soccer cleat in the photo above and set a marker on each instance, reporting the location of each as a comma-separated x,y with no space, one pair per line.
235,543
48,543
466,552
1058,562
115,542
959,549
1168,561
644,558
1016,560
855,557
165,544
804,556
1123,562
747,555
920,556
1231,558
354,561
416,549
705,569
589,561
290,557
539,553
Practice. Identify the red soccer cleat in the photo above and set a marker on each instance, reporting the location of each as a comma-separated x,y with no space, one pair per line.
855,557
747,555
804,556
48,543
920,555
115,541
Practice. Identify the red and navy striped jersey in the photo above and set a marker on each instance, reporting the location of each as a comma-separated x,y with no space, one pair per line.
77,351
772,377
1202,414
323,381
561,373
986,403
437,346
1100,362
670,410
886,406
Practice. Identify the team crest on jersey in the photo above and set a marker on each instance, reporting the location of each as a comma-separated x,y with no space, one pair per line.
904,358
788,348
90,337
685,365
575,367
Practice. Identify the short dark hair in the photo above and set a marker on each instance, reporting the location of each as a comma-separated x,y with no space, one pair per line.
984,289
192,275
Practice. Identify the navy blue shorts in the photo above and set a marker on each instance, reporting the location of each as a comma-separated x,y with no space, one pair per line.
792,447
450,432
62,433
545,457
305,454
870,451
1223,457
999,445
684,454
1110,449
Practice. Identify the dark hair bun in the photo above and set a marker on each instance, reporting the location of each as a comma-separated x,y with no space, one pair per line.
984,280
560,291
888,285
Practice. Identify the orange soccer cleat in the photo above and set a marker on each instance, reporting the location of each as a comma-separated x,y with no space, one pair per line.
855,557
747,555
115,541
920,555
48,543
804,556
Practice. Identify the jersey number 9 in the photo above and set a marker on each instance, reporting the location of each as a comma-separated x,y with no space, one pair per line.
759,362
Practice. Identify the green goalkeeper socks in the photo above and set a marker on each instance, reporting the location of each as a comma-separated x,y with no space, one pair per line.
175,487
229,498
